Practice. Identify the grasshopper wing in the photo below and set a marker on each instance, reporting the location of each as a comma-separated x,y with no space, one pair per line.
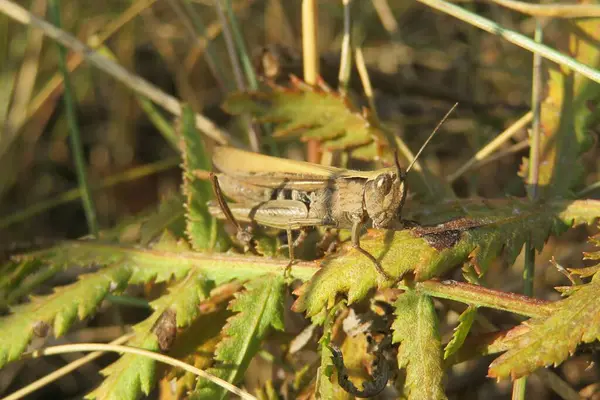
273,172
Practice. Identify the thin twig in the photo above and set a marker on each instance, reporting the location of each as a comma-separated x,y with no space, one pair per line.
130,80
492,146
552,10
74,135
79,347
59,373
513,37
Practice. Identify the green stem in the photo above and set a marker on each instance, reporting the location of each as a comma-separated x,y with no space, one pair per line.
483,297
88,204
241,45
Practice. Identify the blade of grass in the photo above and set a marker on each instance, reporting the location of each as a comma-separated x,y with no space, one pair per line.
74,194
115,70
25,81
74,136
212,58
491,146
346,55
241,47
552,10
237,72
513,37
53,86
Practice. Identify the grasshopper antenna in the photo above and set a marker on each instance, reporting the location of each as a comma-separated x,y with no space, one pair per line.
429,138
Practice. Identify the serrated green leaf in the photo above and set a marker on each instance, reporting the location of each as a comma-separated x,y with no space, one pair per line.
420,350
465,321
259,308
477,231
312,113
133,375
160,263
200,224
551,340
566,115
58,310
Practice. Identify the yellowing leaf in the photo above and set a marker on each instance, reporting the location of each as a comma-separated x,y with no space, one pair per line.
566,114
552,339
420,350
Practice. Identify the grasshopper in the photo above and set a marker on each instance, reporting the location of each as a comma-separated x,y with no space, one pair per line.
291,195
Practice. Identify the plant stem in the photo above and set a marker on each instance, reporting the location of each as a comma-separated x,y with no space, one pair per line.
484,297
346,54
76,147
241,46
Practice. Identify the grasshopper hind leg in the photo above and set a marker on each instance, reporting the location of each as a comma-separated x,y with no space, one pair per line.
244,236
356,244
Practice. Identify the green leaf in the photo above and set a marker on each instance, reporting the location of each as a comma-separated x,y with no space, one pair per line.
551,339
420,350
200,224
566,115
476,230
465,321
169,258
259,308
58,310
133,375
313,113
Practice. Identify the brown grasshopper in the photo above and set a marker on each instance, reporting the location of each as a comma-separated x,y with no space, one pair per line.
290,195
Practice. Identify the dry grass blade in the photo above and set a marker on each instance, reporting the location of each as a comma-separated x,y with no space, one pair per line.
132,81
74,348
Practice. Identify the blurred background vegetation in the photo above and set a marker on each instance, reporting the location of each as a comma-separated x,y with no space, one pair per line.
420,62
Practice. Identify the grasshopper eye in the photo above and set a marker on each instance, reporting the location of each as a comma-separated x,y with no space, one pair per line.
384,184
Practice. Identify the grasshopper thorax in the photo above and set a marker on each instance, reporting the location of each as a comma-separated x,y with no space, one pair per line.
384,196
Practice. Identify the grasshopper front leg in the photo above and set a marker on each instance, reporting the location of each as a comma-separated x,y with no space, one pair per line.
356,244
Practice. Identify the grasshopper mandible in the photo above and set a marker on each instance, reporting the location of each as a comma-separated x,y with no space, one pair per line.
290,195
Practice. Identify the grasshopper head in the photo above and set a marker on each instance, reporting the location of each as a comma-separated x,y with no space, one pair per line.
384,196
